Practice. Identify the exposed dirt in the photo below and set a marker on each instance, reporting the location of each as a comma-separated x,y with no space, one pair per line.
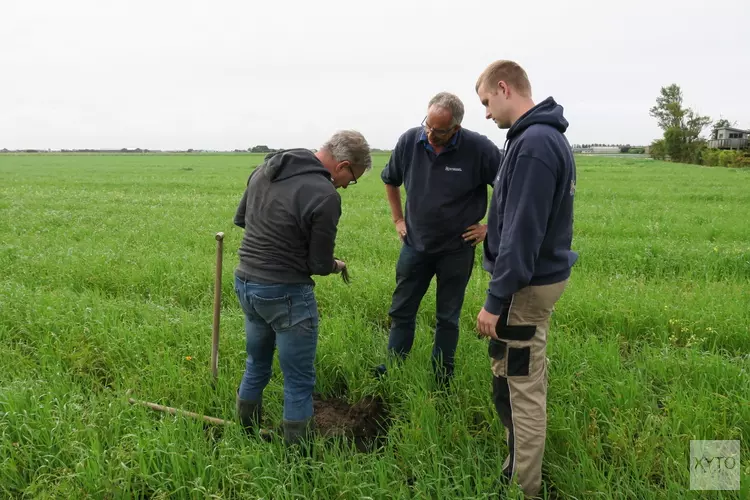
366,422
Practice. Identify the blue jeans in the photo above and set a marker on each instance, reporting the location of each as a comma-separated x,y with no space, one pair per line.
283,316
414,272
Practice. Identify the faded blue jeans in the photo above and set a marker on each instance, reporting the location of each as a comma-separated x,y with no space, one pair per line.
283,316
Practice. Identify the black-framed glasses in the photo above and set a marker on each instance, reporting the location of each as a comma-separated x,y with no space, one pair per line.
436,130
354,177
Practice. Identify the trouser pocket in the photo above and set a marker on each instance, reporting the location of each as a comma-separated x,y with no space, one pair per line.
276,311
498,351
518,361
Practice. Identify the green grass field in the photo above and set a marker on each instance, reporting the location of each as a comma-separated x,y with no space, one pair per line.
106,284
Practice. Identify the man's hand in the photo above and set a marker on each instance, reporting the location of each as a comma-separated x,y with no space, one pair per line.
475,234
340,265
486,324
401,228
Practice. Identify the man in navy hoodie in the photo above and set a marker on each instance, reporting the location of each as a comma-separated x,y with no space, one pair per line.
527,252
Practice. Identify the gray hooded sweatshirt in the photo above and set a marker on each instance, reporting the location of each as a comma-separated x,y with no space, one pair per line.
289,211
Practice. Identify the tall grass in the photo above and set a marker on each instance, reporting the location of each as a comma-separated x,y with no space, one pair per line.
107,285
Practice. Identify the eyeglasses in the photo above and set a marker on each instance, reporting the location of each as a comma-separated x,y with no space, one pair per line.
354,178
436,131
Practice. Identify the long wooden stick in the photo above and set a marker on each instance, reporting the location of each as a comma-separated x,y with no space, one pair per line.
217,307
175,411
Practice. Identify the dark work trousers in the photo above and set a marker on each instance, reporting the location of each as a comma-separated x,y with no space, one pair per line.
414,272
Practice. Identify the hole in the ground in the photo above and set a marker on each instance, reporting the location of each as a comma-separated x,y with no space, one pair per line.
365,423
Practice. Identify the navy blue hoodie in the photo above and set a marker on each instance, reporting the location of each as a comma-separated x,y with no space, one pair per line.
530,220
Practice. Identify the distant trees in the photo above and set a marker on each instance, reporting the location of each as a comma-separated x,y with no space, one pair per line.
682,127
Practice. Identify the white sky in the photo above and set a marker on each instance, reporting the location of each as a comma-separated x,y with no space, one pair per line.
222,74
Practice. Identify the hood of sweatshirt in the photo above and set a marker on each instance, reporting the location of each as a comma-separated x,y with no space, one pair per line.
292,162
547,112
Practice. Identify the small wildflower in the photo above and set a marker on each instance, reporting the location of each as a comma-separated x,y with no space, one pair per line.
189,358
716,249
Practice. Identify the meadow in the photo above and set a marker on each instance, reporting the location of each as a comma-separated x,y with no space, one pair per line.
106,285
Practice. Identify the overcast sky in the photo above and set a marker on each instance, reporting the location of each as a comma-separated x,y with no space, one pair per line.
221,74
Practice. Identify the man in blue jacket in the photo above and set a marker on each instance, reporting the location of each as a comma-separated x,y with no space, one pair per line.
445,170
528,254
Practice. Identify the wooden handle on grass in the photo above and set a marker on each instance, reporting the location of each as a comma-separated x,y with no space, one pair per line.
217,307
175,411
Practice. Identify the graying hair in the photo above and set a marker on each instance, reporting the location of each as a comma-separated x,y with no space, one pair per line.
350,145
452,103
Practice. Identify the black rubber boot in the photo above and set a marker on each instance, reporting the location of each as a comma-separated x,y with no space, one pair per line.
249,413
299,433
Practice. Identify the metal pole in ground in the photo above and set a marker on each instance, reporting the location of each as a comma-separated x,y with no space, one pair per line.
217,307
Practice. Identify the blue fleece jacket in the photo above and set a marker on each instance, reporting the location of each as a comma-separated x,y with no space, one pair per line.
445,193
530,220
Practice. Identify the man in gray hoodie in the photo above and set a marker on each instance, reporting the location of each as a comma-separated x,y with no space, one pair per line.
290,212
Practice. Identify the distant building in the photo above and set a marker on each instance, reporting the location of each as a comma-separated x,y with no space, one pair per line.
597,150
605,150
730,138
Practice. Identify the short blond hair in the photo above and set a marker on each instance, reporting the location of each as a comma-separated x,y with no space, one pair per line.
508,71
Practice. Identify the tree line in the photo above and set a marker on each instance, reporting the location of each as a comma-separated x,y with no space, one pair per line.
683,128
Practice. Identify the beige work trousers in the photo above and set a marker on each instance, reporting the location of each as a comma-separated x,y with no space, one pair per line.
519,367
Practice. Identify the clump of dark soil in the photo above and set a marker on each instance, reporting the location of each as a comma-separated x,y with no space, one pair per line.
366,422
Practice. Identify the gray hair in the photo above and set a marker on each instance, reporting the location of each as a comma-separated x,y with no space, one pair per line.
450,102
349,145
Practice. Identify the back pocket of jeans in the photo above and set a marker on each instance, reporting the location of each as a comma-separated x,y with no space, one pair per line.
276,311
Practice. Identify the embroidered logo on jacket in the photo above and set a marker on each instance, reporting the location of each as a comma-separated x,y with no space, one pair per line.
453,169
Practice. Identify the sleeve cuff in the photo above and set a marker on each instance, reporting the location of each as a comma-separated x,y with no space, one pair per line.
494,304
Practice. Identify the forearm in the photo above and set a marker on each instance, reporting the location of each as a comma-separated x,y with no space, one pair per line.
513,270
394,200
239,215
321,260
